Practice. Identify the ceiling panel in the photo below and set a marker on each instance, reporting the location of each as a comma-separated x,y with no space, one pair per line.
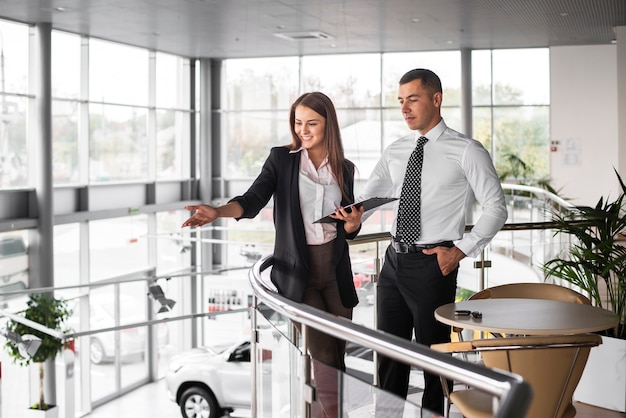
245,28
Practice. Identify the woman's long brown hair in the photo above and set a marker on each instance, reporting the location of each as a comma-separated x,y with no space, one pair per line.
321,104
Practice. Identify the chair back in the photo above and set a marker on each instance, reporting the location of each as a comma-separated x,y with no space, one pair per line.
552,365
546,291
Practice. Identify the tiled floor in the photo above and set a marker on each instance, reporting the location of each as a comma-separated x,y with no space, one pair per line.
152,401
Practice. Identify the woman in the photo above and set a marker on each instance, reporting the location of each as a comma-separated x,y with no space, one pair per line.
311,264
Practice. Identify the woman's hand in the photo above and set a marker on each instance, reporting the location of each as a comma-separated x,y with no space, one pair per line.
352,219
204,214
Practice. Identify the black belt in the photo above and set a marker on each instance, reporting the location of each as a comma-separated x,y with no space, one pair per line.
403,247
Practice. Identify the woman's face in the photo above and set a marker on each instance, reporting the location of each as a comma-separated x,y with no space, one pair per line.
309,126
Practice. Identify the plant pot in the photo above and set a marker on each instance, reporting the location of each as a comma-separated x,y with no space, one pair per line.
603,382
52,412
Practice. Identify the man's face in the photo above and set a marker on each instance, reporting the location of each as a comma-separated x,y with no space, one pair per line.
420,109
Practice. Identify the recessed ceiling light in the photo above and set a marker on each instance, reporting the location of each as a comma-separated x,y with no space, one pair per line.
60,9
563,14
304,35
415,20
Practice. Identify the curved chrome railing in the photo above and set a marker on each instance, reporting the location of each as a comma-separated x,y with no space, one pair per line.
512,392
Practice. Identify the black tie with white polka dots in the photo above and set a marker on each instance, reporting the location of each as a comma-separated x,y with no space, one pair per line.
408,228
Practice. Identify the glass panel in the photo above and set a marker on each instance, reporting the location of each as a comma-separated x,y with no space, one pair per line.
278,378
250,137
224,293
65,65
342,78
65,117
482,126
134,341
102,345
66,256
278,369
481,78
452,116
115,247
118,143
15,61
394,126
14,262
361,133
260,84
172,81
15,393
117,73
522,132
172,135
515,84
446,64
14,157
172,255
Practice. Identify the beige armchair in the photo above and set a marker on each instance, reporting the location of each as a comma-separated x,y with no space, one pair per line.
552,365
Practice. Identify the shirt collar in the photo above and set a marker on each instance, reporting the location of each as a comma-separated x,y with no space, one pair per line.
305,154
434,133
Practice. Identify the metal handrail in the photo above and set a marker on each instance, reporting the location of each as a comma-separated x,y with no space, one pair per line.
513,392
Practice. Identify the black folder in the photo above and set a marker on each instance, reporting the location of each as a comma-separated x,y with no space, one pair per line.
371,203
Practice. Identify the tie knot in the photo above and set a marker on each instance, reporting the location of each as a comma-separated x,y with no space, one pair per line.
422,140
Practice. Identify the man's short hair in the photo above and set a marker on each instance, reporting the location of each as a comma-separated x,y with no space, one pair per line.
430,80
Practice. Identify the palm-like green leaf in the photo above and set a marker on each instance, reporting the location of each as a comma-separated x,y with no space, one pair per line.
596,256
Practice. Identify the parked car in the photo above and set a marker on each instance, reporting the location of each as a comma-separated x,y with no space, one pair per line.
208,382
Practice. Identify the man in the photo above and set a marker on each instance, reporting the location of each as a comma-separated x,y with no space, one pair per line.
421,263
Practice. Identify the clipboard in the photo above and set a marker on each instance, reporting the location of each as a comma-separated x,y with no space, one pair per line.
368,204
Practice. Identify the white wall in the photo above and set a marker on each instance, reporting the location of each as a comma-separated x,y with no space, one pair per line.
584,122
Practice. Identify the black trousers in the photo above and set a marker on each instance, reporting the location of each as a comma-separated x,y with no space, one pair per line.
410,288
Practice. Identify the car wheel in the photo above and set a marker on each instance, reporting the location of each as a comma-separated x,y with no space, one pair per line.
96,351
199,403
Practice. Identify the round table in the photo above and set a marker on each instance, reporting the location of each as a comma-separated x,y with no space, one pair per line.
527,316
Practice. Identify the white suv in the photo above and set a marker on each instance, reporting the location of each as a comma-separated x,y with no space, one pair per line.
208,382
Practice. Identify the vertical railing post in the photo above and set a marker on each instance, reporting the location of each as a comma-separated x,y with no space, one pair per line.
308,392
254,339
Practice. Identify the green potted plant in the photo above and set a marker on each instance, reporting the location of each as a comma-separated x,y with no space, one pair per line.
51,313
596,263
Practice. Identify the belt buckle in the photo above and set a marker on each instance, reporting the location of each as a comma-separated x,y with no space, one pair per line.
402,247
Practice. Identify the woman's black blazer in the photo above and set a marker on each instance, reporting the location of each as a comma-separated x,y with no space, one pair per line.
290,271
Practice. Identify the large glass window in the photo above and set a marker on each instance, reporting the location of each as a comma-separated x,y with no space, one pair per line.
511,110
260,84
115,247
65,119
117,73
343,79
14,73
65,65
118,143
65,112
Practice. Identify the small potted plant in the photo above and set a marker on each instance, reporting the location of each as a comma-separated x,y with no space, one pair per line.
51,313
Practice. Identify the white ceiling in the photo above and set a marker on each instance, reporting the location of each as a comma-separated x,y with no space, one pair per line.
246,28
